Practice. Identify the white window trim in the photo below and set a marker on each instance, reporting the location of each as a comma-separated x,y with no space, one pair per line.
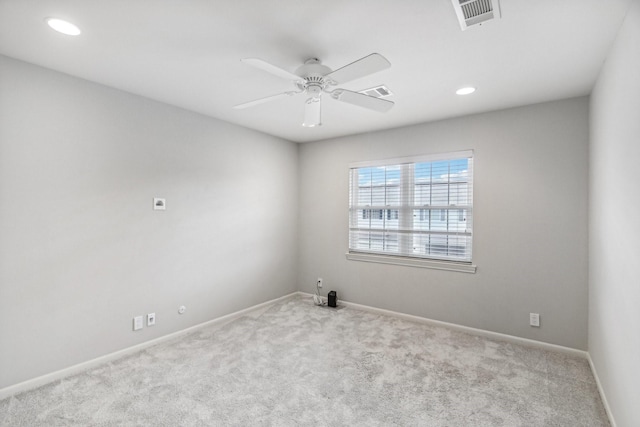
413,159
404,260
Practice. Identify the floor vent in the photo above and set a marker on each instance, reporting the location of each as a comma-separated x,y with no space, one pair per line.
377,92
475,12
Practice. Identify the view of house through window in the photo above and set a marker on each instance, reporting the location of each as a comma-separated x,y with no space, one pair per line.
417,207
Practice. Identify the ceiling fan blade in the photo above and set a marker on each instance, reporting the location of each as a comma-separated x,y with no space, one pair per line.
312,112
270,68
362,100
362,67
263,100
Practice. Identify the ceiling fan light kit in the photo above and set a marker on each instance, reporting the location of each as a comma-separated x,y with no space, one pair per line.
312,113
314,79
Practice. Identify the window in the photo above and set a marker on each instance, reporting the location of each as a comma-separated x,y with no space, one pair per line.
417,207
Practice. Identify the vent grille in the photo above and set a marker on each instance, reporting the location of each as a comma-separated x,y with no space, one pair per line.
475,12
472,9
377,92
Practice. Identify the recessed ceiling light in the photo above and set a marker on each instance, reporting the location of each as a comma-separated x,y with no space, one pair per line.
465,90
63,27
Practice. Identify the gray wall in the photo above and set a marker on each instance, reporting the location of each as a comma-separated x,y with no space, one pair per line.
530,219
614,224
82,251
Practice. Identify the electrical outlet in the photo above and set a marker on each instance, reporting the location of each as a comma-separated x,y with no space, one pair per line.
534,319
319,282
137,323
151,319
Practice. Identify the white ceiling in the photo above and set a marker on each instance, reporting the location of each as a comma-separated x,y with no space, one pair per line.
187,53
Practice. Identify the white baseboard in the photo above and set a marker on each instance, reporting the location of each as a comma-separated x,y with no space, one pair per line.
474,331
605,402
81,367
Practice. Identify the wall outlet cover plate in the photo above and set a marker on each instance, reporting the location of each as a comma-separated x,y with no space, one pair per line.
534,319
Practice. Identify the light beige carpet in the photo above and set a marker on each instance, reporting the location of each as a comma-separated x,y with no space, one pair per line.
300,365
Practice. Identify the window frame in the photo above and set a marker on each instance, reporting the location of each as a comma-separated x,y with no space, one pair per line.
407,192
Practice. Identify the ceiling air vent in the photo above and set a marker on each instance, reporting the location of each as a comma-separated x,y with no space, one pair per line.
475,12
377,92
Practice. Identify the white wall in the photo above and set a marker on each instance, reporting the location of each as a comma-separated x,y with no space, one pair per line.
614,224
82,251
530,237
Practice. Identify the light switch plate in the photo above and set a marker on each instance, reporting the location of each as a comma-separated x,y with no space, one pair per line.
137,323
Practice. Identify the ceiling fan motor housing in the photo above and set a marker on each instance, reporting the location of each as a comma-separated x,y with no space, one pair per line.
313,73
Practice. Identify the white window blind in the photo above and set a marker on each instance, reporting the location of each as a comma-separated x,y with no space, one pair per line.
420,207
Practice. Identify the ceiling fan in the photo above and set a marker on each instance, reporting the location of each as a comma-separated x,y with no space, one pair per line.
314,79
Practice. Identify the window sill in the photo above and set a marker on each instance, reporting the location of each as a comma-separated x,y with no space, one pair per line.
412,262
